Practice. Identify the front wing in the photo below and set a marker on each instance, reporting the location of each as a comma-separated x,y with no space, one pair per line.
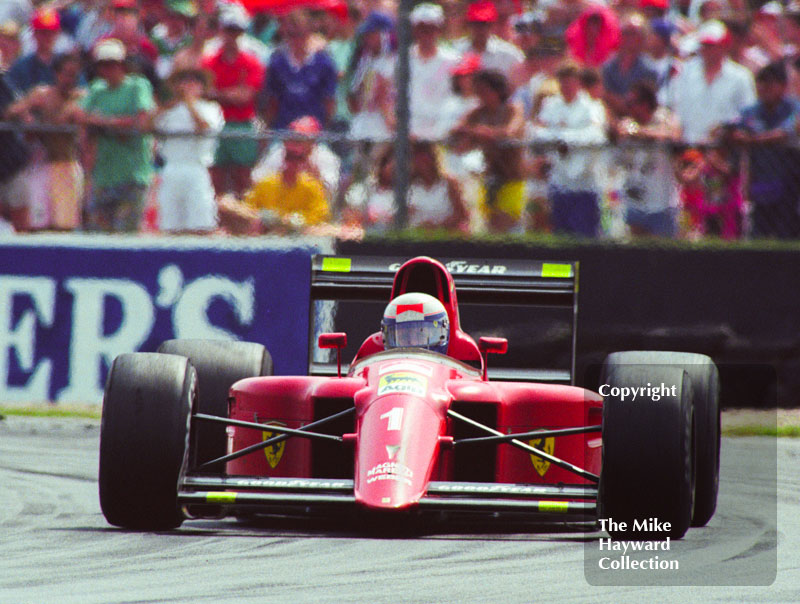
559,503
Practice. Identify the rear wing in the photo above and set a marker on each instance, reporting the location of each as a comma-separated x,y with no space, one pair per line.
531,283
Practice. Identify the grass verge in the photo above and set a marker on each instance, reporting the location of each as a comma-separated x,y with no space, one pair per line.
49,410
752,430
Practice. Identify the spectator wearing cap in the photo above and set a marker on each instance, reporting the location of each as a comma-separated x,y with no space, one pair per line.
629,66
56,185
371,79
140,53
37,67
10,46
528,77
593,36
765,128
496,54
301,79
172,33
236,77
770,32
186,201
430,65
661,51
294,198
571,120
462,99
654,9
488,127
123,166
711,89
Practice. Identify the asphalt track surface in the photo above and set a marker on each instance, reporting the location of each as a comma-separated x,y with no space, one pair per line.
55,546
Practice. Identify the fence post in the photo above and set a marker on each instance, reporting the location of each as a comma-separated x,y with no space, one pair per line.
402,148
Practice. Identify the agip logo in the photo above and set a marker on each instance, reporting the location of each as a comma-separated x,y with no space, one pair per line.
403,382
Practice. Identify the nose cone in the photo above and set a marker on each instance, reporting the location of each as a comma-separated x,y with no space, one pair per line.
396,451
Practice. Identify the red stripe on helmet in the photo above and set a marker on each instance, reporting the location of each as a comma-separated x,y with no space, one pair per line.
401,308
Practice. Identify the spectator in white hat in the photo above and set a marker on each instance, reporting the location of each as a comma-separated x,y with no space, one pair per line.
431,65
711,89
123,165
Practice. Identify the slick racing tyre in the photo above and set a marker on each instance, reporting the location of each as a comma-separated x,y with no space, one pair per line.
143,439
705,393
219,364
648,458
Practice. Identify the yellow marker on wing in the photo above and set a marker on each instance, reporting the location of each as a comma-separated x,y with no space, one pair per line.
221,497
556,271
336,265
554,506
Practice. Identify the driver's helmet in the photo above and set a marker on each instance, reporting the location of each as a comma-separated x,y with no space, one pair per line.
417,320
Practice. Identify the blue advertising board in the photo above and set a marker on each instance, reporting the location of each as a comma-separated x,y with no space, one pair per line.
70,304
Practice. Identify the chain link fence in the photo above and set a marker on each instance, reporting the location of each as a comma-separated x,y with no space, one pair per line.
615,191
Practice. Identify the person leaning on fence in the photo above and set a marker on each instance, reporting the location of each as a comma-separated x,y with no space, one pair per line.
61,175
572,120
14,156
123,165
492,127
766,128
237,76
649,191
186,201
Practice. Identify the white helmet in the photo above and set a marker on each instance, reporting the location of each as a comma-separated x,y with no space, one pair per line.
417,320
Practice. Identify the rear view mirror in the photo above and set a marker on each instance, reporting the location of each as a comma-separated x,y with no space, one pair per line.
489,346
337,340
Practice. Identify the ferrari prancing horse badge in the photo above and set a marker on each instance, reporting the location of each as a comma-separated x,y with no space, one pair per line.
542,465
274,452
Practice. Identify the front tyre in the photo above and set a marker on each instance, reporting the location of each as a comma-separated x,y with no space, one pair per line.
144,438
219,364
648,466
705,394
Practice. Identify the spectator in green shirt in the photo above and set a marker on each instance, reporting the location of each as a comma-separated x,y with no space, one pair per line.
123,162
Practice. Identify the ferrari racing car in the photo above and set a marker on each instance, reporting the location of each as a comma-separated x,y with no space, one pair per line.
421,420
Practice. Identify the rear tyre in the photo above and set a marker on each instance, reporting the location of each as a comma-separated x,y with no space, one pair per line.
144,439
648,458
705,393
219,364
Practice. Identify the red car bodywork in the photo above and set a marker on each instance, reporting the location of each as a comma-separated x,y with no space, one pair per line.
399,441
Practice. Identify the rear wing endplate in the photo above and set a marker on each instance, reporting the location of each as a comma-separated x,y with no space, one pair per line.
478,281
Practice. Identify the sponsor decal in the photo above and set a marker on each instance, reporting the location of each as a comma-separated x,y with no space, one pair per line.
406,367
69,305
403,382
547,445
274,453
390,470
457,267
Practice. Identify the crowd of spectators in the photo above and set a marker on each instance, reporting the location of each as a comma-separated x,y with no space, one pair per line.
616,118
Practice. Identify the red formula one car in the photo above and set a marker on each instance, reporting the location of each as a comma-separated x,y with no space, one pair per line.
200,428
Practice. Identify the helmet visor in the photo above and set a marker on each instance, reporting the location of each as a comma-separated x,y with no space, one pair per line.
422,334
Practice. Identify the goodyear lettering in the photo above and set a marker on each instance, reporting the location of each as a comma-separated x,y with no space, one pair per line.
403,382
457,267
